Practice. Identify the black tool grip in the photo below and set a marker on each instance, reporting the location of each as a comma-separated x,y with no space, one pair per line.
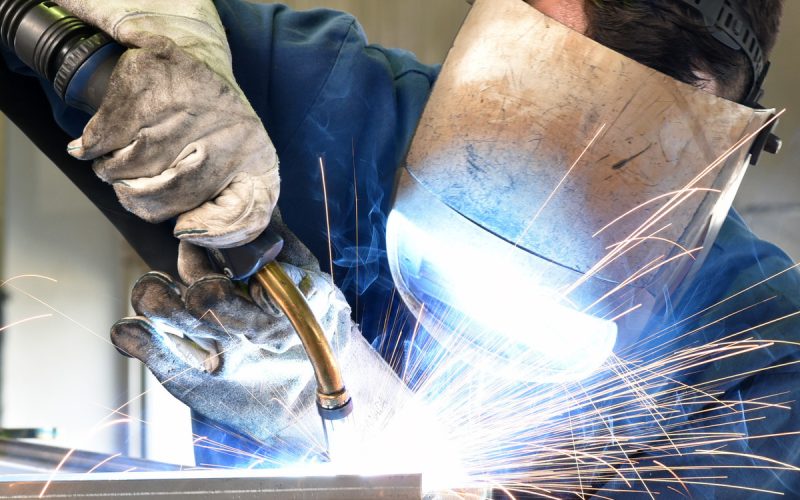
240,263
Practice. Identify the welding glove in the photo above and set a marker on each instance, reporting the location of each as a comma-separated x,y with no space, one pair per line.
175,135
238,361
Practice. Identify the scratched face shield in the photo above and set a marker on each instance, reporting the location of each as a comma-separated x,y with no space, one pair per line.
555,193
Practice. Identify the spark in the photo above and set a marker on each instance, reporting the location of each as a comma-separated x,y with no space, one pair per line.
103,462
560,183
23,276
683,249
69,453
327,212
649,268
629,311
729,298
413,338
26,320
63,315
355,205
676,200
635,209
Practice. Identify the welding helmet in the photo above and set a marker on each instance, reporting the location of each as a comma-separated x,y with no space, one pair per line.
554,192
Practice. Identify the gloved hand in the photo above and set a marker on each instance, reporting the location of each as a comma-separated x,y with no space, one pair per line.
241,363
175,135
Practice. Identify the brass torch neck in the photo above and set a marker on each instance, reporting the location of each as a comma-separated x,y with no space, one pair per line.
333,400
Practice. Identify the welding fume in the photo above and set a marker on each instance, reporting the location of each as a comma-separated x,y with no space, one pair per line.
533,205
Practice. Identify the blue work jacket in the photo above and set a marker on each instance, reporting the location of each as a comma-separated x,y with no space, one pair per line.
327,96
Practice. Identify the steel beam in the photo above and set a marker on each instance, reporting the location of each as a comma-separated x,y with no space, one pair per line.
239,485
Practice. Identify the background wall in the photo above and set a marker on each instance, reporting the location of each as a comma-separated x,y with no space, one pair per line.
61,371
769,198
70,275
2,242
58,368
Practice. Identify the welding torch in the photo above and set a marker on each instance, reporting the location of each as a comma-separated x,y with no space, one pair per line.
78,60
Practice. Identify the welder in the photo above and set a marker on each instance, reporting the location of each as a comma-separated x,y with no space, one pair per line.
341,113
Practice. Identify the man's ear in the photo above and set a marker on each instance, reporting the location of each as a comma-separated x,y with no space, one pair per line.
571,13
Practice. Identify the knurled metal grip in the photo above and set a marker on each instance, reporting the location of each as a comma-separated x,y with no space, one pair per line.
79,54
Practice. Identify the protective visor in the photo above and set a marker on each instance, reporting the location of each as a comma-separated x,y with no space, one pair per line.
554,191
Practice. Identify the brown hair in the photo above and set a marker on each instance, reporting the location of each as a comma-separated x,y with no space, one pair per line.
671,37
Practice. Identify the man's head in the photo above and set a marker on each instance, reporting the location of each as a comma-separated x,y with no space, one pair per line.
669,36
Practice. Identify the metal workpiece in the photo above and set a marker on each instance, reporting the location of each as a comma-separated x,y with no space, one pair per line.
241,485
333,399
27,469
